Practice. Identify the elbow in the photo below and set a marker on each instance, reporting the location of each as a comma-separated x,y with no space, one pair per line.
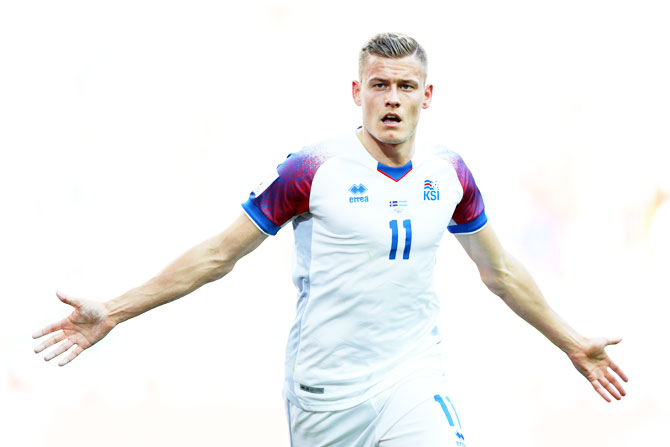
498,274
497,281
221,263
224,250
219,270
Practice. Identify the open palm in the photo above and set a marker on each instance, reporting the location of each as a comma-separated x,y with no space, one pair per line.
594,364
87,324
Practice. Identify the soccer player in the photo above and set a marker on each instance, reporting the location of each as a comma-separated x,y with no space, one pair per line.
368,210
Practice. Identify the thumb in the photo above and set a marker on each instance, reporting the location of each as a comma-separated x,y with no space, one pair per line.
74,302
613,341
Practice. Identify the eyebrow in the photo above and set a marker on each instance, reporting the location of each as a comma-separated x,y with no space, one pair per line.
383,80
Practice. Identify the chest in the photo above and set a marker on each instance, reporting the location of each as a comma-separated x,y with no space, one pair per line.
354,204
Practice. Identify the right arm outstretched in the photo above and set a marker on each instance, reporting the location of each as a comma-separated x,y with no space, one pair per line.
90,321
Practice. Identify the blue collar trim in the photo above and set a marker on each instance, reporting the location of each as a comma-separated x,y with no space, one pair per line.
395,173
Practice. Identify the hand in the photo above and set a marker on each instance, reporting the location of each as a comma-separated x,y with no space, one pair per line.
594,364
86,325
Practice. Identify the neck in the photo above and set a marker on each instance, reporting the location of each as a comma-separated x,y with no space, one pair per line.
388,154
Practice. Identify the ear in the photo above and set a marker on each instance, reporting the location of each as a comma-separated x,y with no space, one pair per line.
356,92
428,96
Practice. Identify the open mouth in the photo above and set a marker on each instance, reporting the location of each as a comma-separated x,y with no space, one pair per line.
391,119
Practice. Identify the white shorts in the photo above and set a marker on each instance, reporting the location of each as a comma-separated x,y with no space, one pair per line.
414,412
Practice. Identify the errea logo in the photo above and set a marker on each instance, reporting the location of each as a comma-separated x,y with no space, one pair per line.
430,190
358,189
357,192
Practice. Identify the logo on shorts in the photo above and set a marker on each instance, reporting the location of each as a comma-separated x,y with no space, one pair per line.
357,192
461,438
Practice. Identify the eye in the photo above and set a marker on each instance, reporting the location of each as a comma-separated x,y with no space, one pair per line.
379,86
407,87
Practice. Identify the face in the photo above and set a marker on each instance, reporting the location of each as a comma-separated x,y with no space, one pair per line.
392,93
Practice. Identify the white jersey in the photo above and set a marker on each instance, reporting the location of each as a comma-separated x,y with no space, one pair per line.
365,241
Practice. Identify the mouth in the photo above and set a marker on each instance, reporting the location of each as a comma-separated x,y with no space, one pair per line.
391,120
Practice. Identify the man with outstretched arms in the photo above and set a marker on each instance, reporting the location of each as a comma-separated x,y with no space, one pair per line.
368,211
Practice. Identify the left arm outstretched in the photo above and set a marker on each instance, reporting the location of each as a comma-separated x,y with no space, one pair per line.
507,278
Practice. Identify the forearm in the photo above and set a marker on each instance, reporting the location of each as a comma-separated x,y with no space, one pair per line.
203,263
519,291
508,279
196,267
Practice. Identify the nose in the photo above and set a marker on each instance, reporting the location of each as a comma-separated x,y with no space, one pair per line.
392,98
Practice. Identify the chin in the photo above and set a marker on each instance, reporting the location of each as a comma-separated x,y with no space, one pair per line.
392,137
391,141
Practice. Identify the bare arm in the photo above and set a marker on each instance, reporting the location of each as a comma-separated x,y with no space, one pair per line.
204,263
90,321
507,278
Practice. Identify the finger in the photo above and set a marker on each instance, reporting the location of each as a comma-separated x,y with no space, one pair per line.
50,328
67,299
61,349
614,367
600,390
52,341
610,388
71,356
613,341
616,383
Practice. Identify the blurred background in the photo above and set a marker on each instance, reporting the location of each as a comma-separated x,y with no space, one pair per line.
132,130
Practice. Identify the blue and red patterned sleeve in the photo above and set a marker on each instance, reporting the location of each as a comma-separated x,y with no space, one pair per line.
469,215
270,207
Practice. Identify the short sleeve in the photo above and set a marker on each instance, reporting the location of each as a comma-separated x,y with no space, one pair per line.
469,215
275,202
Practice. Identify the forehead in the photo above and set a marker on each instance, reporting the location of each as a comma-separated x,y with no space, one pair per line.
408,67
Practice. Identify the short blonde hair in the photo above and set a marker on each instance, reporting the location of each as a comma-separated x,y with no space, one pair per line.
392,45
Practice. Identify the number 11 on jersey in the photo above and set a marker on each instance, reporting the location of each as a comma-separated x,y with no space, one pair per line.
393,225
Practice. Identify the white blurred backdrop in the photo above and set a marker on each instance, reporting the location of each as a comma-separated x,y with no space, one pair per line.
132,130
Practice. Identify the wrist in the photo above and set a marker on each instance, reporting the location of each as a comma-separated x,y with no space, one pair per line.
575,346
114,312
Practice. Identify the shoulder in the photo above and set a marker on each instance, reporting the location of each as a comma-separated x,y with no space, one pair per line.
441,152
450,160
310,158
432,153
